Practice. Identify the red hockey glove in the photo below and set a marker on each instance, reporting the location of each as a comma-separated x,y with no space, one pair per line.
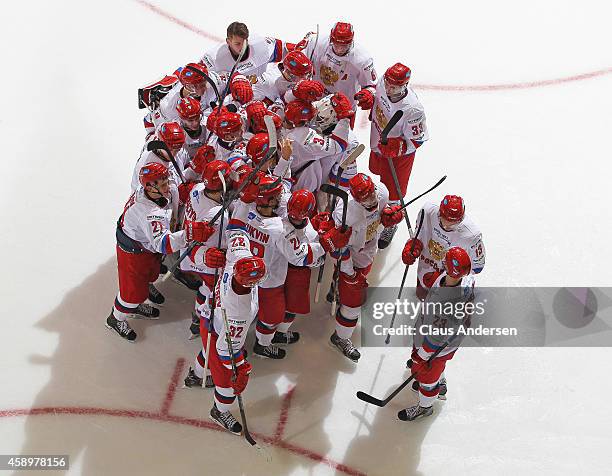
391,215
184,190
335,239
322,222
430,278
365,99
199,231
408,257
395,147
241,89
214,258
211,121
342,106
242,377
419,366
203,156
308,90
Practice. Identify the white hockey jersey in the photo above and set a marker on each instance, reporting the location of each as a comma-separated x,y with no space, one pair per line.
150,224
260,52
412,126
271,85
366,229
346,74
148,156
437,241
202,208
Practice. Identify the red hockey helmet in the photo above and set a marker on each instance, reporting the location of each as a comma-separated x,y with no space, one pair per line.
210,175
256,111
242,173
228,126
269,189
398,75
299,112
188,77
249,271
452,208
278,122
172,134
189,109
361,187
342,34
152,172
258,146
301,204
297,65
457,262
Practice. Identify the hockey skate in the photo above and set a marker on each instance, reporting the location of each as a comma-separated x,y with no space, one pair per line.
345,346
192,380
288,337
155,296
386,236
121,327
194,328
412,413
145,311
443,389
225,420
271,351
187,280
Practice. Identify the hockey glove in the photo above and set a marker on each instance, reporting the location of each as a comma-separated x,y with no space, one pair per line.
391,215
199,231
241,89
242,377
203,156
184,189
335,239
214,257
322,222
409,258
365,99
395,147
308,90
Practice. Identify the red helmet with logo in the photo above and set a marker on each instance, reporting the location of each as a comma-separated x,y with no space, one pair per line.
249,271
210,175
269,189
361,187
301,204
299,112
342,34
172,134
297,64
152,172
258,146
186,76
398,74
457,263
452,208
189,108
228,125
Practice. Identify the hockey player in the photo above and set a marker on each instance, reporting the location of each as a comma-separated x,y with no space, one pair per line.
228,142
343,66
444,226
437,328
143,235
309,146
393,94
190,116
236,296
259,52
367,210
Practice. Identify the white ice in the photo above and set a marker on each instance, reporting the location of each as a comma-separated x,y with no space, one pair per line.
532,165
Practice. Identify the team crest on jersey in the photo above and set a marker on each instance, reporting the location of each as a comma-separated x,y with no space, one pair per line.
381,119
371,230
328,75
436,250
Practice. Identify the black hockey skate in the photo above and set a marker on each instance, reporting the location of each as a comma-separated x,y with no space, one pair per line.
194,328
145,311
443,389
187,280
193,381
271,351
121,327
386,236
288,337
225,420
155,296
412,413
345,346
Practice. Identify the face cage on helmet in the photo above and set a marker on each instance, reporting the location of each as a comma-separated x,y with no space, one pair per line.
453,225
335,45
395,92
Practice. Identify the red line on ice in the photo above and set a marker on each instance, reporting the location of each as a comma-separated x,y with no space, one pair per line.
284,415
171,392
425,87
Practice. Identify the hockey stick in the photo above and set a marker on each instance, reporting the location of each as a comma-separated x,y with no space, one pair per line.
399,294
394,120
337,192
161,145
208,80
381,403
213,298
245,429
424,193
233,195
315,45
341,168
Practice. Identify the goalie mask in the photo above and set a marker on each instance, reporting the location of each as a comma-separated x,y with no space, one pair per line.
325,119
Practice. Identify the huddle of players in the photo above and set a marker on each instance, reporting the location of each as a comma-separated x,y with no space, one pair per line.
254,262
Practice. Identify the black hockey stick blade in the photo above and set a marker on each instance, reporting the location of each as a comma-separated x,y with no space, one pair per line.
394,120
370,399
330,189
157,145
207,78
